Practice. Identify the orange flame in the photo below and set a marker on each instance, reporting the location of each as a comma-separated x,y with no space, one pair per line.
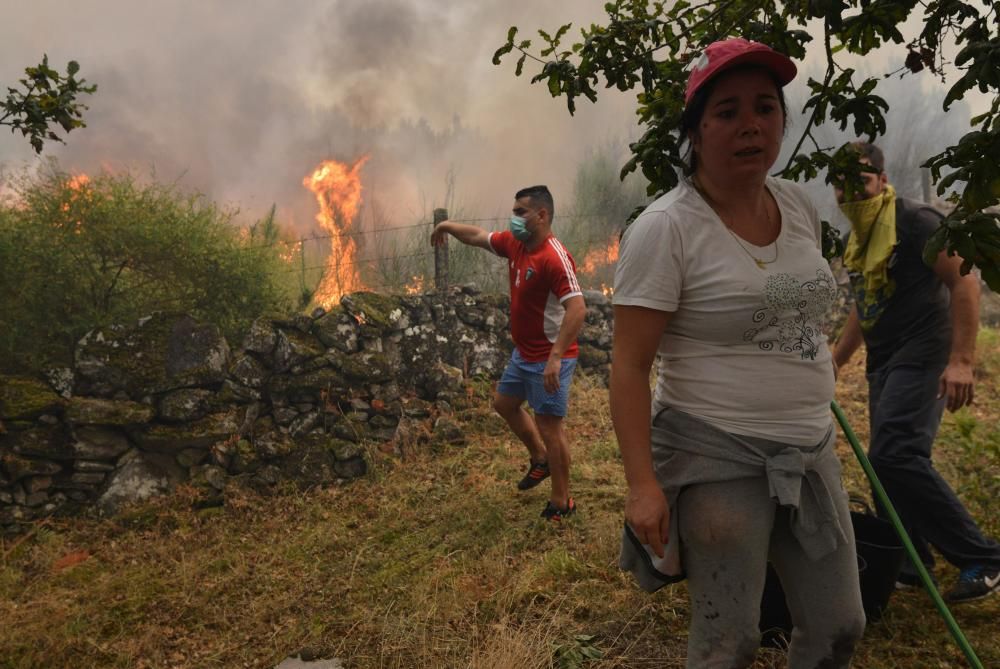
79,184
78,181
290,252
337,188
415,287
599,258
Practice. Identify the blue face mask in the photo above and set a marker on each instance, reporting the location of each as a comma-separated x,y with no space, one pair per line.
519,229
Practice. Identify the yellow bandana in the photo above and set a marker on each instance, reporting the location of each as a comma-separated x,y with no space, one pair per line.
873,236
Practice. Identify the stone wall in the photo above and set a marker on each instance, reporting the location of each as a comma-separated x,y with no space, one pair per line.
166,400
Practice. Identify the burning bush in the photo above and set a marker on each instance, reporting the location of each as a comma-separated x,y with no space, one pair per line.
79,252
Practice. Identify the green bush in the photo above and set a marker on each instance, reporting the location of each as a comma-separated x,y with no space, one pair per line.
75,255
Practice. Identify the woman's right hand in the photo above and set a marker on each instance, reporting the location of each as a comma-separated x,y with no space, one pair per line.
647,511
638,332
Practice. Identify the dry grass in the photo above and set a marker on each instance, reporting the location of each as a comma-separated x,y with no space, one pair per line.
434,560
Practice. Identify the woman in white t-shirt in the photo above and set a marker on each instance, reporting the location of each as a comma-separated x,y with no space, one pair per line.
730,462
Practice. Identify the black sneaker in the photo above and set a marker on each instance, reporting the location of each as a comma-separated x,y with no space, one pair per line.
555,514
537,472
974,583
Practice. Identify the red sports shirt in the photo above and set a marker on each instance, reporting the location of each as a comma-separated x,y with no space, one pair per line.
540,281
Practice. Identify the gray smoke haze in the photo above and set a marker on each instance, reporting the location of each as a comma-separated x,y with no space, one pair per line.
241,100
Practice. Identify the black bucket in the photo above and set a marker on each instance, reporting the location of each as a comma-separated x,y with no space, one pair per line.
883,554
880,557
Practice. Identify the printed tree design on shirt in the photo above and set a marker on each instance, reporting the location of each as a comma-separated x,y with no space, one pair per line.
793,313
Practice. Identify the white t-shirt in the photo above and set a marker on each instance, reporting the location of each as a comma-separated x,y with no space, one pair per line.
745,349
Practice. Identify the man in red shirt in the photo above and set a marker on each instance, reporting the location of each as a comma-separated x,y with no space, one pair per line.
546,314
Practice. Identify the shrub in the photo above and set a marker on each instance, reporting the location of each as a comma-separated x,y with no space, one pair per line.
76,253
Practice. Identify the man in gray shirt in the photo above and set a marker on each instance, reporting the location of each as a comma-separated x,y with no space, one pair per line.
918,324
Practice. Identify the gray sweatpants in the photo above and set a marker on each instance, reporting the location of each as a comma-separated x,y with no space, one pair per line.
728,532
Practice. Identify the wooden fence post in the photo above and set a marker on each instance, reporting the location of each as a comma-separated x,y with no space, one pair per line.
441,255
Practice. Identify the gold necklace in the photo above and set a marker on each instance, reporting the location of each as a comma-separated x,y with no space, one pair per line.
761,263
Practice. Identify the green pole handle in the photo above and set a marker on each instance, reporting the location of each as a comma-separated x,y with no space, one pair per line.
953,627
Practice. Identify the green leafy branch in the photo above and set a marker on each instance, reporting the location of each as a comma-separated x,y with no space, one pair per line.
48,98
645,47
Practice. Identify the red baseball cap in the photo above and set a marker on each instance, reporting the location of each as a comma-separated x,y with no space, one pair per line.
724,54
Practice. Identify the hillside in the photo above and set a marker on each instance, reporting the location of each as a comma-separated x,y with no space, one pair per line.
433,560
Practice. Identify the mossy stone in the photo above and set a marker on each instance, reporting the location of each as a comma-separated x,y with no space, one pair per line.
184,405
344,450
367,367
350,469
591,356
337,329
261,337
162,352
308,386
249,371
51,443
376,314
245,458
199,434
272,444
295,348
23,398
18,467
98,443
95,411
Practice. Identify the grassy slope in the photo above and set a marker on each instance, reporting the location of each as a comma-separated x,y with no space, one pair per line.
435,560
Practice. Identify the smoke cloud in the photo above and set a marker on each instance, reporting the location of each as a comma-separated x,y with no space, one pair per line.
240,101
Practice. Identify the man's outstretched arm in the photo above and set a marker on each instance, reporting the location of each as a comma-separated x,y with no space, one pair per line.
467,234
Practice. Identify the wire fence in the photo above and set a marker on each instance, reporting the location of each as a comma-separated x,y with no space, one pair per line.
399,259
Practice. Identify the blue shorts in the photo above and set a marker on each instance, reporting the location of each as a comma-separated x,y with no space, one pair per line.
524,380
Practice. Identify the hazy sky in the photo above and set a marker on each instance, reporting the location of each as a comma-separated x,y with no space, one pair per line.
240,100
